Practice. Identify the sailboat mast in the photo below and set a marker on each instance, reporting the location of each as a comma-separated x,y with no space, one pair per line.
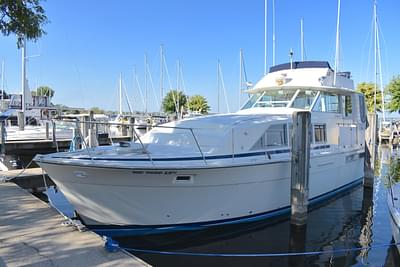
273,33
337,57
302,39
379,60
265,36
240,76
2,79
218,87
145,83
161,74
120,94
375,55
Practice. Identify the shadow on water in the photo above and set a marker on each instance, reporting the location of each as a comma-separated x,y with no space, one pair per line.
355,219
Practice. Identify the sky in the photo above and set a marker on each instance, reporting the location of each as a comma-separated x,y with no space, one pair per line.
90,43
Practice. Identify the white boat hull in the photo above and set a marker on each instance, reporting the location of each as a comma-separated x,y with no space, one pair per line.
155,198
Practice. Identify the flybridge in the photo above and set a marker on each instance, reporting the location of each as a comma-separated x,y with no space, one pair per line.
300,65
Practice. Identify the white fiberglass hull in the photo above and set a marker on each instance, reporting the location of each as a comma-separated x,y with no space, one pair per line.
106,196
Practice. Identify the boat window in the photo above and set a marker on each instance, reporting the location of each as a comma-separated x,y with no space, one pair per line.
304,99
273,98
274,136
319,133
327,102
252,100
348,110
363,116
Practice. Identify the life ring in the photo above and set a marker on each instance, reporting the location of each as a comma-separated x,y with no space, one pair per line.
45,113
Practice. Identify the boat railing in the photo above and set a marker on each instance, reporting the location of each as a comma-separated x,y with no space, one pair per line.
86,130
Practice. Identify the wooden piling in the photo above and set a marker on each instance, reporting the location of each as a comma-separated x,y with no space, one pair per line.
300,139
21,120
3,138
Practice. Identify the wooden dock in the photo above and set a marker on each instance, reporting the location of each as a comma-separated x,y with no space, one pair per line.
31,234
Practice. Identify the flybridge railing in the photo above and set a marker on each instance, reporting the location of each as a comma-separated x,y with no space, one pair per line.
87,130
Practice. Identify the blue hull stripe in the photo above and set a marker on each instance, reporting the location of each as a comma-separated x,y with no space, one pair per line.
243,155
132,230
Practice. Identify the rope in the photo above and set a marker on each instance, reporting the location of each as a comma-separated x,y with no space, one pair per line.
7,179
287,254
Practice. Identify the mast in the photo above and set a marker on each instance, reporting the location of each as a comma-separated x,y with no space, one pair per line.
120,94
218,86
240,75
145,83
2,79
273,33
378,62
178,63
265,36
302,39
337,44
23,82
161,74
375,55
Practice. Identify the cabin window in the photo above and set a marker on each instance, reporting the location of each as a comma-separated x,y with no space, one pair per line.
275,136
327,102
348,109
363,116
319,133
253,99
304,99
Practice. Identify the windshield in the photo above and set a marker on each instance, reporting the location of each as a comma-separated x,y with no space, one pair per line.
297,98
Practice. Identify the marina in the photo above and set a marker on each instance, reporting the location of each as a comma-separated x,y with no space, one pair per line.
294,165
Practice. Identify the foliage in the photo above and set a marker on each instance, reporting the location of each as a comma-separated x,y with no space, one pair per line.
198,103
97,110
368,89
393,89
23,18
174,101
44,91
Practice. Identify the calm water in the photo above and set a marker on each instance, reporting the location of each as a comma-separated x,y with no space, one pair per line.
354,219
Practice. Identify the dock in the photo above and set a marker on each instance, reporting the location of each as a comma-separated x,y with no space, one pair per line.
31,234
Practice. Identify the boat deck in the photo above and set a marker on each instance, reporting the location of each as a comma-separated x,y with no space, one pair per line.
31,234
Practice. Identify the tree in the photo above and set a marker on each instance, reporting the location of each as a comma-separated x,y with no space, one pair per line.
25,18
45,91
174,101
198,103
97,110
393,88
368,89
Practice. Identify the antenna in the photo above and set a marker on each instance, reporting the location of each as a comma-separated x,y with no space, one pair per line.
337,44
145,83
240,75
218,87
120,94
265,36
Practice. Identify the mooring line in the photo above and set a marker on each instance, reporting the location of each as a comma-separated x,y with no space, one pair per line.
112,245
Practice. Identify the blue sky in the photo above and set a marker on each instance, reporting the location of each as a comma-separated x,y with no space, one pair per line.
89,43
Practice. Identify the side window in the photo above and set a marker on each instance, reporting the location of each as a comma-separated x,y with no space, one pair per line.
327,102
363,115
275,136
348,109
320,133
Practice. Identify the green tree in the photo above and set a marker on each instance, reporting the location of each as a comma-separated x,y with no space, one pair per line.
368,89
44,91
97,110
393,88
174,101
198,103
25,18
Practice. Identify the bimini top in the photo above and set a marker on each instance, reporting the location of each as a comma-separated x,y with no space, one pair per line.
300,65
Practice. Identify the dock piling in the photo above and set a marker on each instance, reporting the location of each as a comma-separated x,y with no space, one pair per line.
300,139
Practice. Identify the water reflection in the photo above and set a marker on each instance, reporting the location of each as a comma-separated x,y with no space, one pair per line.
357,218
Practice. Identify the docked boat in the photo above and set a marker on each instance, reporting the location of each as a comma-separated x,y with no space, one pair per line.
221,169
